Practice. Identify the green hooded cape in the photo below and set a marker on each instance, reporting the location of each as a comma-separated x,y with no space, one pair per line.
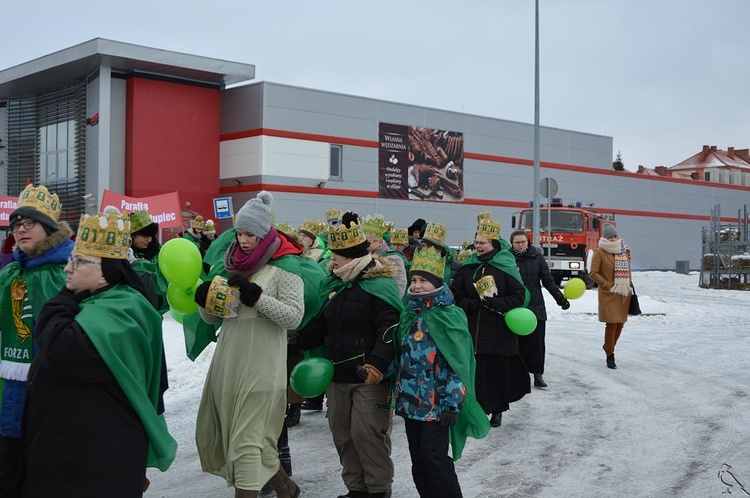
449,329
126,331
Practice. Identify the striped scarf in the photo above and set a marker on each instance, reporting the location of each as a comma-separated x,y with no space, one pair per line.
622,264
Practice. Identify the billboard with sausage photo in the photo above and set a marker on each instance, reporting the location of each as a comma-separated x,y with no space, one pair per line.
420,163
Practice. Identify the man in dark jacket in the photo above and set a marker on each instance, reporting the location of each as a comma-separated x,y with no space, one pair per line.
535,273
356,324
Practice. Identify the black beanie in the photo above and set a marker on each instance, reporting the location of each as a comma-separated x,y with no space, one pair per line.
433,279
29,212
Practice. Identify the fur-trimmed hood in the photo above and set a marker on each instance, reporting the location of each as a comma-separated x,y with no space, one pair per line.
53,240
379,267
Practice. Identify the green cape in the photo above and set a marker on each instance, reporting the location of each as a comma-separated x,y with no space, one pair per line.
449,329
384,288
126,331
503,260
159,284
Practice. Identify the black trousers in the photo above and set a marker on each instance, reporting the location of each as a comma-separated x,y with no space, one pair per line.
532,348
431,467
10,466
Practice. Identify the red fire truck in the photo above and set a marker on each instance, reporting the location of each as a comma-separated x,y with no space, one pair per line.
575,233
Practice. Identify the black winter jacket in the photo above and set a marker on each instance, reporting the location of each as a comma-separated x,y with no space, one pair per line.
355,328
535,273
486,323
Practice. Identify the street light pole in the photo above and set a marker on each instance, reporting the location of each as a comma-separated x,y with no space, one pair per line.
537,173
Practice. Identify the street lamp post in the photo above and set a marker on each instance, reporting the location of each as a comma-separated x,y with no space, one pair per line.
537,174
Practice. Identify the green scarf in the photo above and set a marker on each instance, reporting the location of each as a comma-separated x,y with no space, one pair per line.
22,294
449,329
126,331
504,261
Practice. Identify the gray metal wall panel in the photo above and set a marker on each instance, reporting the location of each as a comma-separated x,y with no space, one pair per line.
241,109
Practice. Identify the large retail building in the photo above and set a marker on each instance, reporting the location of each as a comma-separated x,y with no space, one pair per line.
111,116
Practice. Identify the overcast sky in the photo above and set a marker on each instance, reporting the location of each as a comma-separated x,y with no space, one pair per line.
662,77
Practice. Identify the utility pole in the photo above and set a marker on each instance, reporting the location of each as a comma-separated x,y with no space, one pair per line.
537,174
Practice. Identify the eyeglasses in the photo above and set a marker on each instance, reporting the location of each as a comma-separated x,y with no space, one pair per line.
75,262
27,225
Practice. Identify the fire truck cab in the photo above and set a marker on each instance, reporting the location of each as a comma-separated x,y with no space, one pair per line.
575,234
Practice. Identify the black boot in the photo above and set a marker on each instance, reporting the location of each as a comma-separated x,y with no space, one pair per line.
539,381
292,415
497,419
611,362
354,494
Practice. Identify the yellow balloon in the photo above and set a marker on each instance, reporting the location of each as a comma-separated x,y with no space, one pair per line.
574,289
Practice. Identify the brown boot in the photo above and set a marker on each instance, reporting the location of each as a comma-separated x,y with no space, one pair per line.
284,487
245,493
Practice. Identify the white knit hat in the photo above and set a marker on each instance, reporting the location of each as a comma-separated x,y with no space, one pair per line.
255,216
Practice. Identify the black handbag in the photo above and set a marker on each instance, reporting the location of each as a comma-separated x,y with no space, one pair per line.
635,307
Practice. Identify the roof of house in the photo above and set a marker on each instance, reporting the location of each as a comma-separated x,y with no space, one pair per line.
712,157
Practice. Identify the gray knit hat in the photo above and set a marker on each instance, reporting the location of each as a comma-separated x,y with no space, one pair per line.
255,216
609,231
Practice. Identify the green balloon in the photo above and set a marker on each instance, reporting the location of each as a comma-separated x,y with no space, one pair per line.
178,317
183,300
180,262
574,289
521,321
311,377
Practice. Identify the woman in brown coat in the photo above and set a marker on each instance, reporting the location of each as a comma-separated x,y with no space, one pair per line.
610,269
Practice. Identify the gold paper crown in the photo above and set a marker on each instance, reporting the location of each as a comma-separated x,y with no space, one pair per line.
490,229
313,227
333,215
428,260
484,215
465,244
210,225
374,226
463,255
40,199
106,235
388,227
285,227
340,237
222,300
400,236
199,223
435,233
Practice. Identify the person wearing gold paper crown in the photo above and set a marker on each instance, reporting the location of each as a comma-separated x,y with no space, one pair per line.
308,232
399,241
210,230
36,273
434,387
196,235
487,286
434,236
355,325
241,412
91,425
144,256
374,228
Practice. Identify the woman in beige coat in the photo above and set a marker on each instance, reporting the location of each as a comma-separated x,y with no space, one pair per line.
610,269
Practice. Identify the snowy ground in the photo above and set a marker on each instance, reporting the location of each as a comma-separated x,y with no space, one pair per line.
662,424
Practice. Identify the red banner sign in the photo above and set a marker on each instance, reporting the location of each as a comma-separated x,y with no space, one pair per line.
7,206
163,209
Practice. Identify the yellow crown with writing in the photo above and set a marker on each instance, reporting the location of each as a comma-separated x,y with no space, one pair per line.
428,260
490,229
435,233
400,236
333,215
285,227
313,227
484,215
374,225
340,237
463,255
106,235
40,199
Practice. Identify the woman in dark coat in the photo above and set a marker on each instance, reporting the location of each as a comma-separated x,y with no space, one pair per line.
535,273
501,376
356,325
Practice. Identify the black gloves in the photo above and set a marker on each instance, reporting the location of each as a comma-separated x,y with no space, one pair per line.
249,291
448,419
201,294
564,304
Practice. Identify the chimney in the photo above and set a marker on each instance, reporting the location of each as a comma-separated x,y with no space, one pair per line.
730,152
743,154
704,154
713,148
661,170
641,169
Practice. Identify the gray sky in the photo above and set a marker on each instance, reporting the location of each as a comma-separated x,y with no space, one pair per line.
662,77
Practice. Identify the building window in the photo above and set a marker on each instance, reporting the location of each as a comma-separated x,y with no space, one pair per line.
335,172
707,176
57,152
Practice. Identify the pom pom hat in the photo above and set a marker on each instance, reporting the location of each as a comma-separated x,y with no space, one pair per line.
255,216
609,231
